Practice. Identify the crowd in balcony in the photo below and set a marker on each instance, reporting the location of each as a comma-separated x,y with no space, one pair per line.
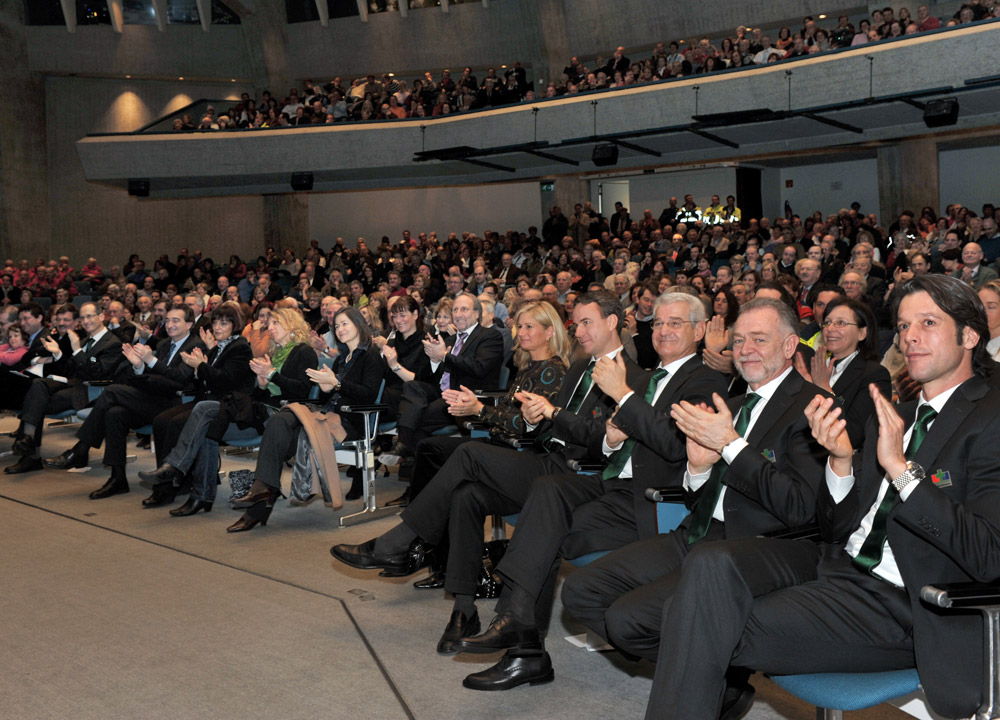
388,97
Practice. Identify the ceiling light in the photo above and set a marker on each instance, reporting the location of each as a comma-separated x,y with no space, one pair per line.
128,77
180,78
822,17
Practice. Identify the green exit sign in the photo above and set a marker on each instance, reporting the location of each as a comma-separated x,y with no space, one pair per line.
548,186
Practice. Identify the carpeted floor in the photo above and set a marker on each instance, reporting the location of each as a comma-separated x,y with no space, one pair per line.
114,611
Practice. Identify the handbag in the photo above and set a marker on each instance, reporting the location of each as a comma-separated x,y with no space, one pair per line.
240,482
488,585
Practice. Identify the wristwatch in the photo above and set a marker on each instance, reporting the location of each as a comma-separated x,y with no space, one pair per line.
911,473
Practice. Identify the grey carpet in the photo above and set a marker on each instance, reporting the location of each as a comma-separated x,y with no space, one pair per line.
113,611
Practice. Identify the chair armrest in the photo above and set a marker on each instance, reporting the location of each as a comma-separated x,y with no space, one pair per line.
489,397
802,532
962,595
516,443
374,407
97,383
474,425
672,494
584,467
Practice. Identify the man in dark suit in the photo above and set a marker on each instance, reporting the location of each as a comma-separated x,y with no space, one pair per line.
472,357
482,478
919,506
13,387
754,466
94,357
225,370
146,386
572,515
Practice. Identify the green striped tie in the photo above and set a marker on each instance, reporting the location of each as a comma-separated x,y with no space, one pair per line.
701,514
870,554
620,456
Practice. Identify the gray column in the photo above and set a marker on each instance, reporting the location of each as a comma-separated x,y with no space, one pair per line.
286,222
264,27
907,177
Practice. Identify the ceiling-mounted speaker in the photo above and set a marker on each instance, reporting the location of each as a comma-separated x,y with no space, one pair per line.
941,113
605,154
138,187
302,181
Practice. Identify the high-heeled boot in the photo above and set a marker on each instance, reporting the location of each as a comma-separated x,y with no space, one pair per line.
357,484
258,492
255,514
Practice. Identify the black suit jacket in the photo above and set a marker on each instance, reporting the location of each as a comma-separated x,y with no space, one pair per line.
477,366
772,484
578,429
164,378
659,456
226,372
35,349
100,363
852,389
940,534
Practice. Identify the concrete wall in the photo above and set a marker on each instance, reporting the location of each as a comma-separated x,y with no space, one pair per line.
967,177
182,51
388,212
827,187
90,219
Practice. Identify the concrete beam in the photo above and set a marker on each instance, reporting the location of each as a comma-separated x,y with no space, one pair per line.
404,8
363,10
444,6
69,14
117,16
205,13
324,12
160,11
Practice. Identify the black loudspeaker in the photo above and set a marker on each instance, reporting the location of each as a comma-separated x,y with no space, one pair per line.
606,154
302,181
941,113
138,188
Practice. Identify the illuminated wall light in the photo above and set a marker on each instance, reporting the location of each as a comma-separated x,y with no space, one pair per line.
180,78
128,77
822,17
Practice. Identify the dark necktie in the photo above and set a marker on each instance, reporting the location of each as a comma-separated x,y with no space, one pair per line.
620,456
701,515
870,554
173,349
87,345
582,389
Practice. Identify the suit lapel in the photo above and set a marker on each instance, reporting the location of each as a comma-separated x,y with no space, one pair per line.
851,373
666,398
952,415
773,413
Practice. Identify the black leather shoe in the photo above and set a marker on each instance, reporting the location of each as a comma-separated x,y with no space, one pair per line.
253,516
736,702
69,459
458,627
396,565
433,581
162,495
114,486
503,633
259,492
402,501
26,463
516,667
144,442
163,475
191,507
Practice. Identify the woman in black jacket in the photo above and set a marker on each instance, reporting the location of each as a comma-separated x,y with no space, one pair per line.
404,354
355,378
277,376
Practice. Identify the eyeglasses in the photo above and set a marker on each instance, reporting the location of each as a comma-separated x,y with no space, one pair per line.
839,324
672,324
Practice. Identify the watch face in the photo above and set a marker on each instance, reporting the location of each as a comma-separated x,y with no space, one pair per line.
915,470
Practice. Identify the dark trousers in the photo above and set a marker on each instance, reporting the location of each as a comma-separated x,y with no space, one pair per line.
775,606
167,428
431,455
565,516
13,389
421,412
615,595
477,480
46,397
277,444
119,409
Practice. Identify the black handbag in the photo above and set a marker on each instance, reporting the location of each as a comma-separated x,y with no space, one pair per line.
240,482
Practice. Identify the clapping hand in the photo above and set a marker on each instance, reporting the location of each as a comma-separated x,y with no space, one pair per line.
324,377
194,358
